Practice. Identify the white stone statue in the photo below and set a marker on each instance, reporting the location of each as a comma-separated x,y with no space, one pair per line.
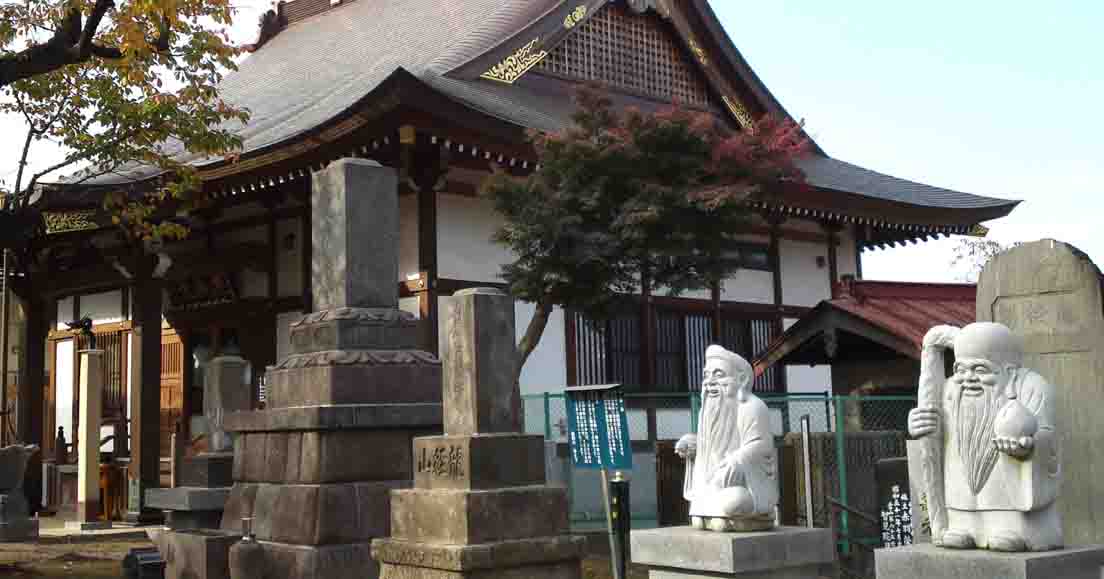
991,460
731,473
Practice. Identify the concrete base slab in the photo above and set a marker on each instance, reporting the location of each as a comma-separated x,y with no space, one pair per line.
22,530
926,561
87,525
781,553
555,557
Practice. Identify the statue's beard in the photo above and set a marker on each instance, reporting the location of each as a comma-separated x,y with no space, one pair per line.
718,425
974,433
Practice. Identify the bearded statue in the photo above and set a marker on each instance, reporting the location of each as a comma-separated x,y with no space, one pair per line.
991,461
731,473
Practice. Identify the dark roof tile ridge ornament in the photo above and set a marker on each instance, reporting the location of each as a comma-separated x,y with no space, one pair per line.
272,22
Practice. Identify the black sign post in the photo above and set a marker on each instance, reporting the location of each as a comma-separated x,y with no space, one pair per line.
598,430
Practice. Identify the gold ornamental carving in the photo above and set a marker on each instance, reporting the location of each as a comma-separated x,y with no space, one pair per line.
517,64
698,51
65,221
742,115
575,17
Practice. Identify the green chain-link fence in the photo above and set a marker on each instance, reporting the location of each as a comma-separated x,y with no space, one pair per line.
848,435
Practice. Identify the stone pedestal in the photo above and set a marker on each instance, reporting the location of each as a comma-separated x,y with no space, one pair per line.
88,442
927,561
196,553
315,469
782,553
224,391
479,507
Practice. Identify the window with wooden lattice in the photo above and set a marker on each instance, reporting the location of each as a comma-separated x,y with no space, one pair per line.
635,52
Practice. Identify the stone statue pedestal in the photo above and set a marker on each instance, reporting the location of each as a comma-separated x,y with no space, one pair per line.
16,523
782,553
479,507
926,561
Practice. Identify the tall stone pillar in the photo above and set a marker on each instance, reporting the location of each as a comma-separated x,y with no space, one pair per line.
88,441
314,470
479,506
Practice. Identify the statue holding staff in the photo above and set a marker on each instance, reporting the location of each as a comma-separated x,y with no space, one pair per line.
991,466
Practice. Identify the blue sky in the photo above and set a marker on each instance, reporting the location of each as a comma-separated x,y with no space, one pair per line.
994,98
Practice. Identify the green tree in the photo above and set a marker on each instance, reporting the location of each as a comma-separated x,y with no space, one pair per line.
973,254
624,201
117,86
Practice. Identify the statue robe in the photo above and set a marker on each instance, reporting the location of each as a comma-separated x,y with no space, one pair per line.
736,451
1013,484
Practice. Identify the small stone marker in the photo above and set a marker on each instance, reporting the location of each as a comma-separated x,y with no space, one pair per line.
479,506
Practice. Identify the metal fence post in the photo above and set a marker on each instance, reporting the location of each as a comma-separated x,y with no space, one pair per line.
841,466
827,411
548,416
695,409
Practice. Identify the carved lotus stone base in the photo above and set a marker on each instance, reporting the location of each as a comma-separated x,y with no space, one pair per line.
354,329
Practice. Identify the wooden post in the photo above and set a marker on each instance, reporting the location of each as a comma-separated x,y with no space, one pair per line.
89,508
145,401
833,256
32,387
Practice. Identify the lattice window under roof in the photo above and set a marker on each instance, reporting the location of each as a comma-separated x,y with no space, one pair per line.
636,52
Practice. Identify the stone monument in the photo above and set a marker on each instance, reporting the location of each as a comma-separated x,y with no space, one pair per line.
205,479
479,507
16,523
732,485
315,469
1049,294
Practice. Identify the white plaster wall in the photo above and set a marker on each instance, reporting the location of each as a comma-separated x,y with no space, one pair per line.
408,236
289,262
411,305
846,253
546,368
63,381
803,282
806,379
464,247
749,285
104,307
64,312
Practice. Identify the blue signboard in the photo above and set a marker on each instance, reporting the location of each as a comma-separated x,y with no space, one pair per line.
598,428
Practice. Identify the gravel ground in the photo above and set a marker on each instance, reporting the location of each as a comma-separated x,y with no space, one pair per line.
60,558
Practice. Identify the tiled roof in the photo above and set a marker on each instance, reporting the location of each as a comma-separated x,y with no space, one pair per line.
905,311
316,69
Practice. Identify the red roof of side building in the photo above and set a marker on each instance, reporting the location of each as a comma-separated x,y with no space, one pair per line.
892,316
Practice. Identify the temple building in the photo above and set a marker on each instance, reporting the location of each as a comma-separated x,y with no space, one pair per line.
444,92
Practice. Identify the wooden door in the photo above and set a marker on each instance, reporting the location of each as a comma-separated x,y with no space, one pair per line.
172,385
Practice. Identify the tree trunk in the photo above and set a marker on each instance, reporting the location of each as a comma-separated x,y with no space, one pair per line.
532,336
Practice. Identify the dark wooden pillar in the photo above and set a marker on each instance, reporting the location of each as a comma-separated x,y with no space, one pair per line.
775,254
424,163
648,336
145,400
858,254
833,256
34,382
718,317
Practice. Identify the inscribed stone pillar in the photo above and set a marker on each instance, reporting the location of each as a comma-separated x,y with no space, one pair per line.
88,437
480,506
315,468
479,364
1049,293
354,236
224,391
